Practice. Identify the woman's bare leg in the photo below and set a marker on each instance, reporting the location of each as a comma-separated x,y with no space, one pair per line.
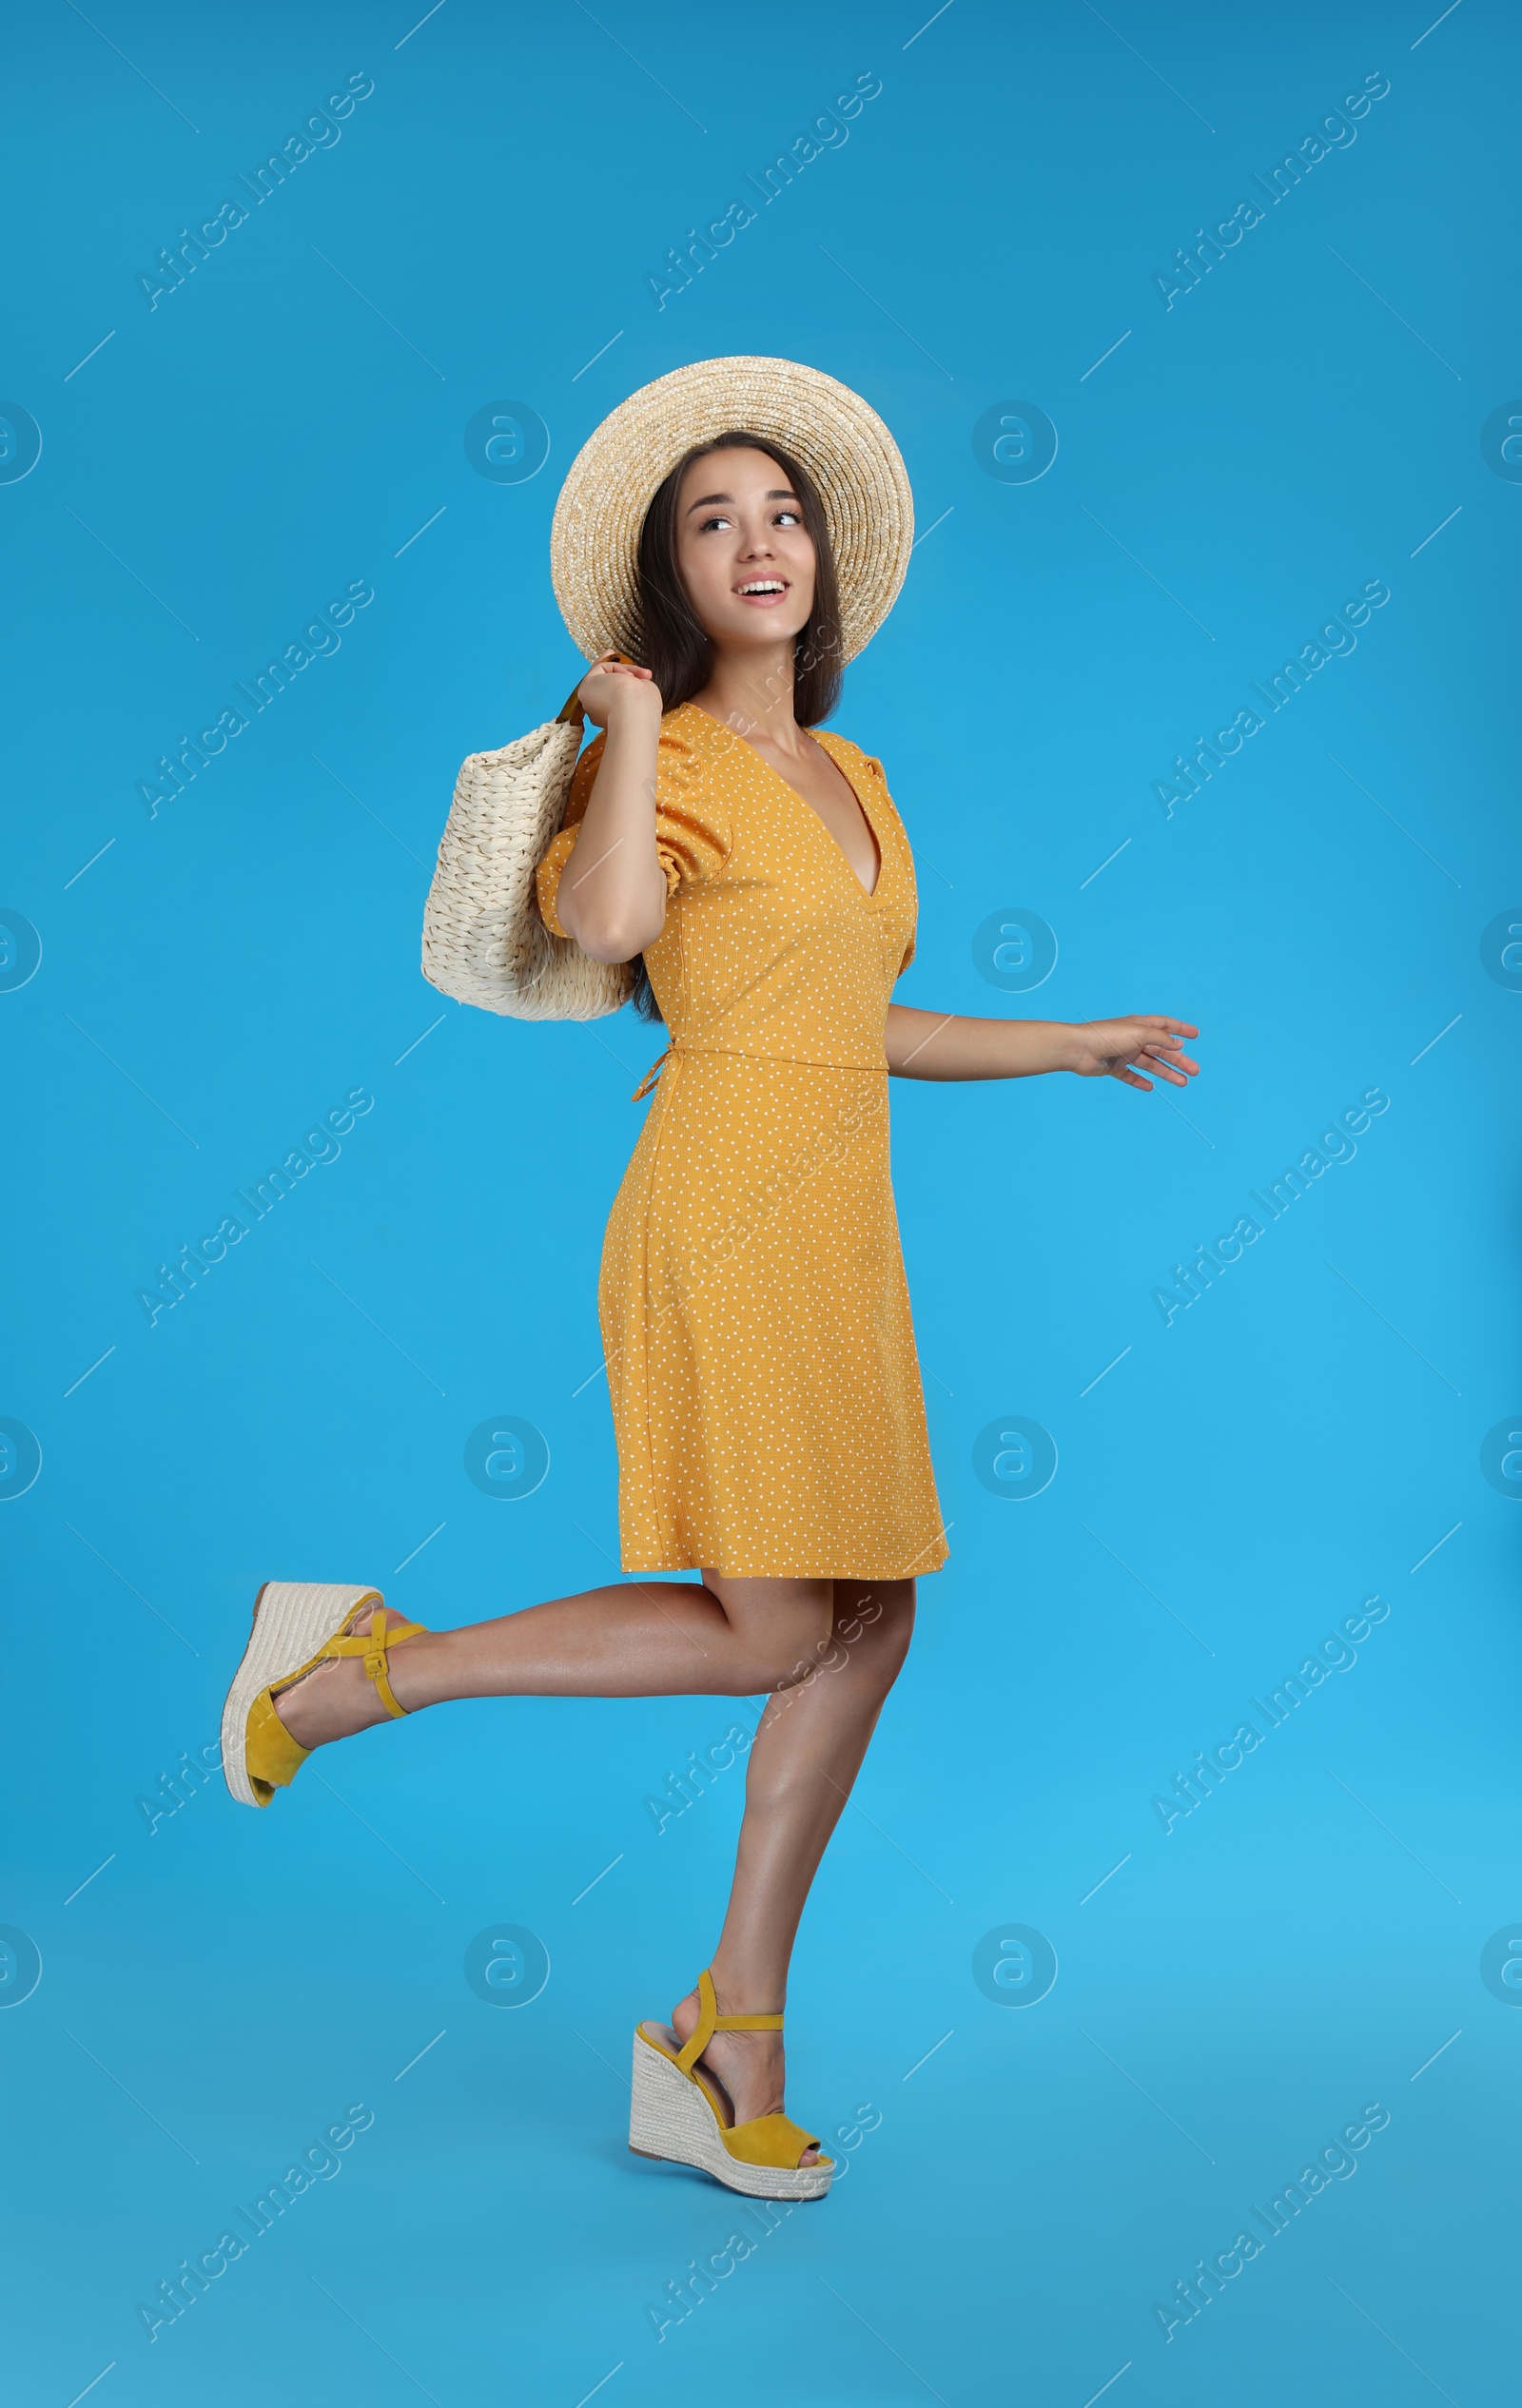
826,1651
642,1639
807,1751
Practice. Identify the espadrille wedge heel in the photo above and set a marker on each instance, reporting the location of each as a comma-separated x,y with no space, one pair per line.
297,1625
675,2114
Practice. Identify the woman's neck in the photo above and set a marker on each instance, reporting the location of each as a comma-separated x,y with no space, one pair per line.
753,693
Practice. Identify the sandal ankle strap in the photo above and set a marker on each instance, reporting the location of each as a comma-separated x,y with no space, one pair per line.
371,1646
710,2021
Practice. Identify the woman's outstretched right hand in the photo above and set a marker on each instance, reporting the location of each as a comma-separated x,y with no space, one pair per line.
615,686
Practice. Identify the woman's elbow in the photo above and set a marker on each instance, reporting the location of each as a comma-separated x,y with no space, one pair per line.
614,939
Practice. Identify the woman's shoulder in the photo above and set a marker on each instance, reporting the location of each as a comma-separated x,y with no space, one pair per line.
847,749
687,730
685,725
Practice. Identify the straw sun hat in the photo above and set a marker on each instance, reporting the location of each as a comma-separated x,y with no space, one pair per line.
833,434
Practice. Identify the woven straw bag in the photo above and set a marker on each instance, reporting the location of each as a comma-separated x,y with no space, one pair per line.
483,941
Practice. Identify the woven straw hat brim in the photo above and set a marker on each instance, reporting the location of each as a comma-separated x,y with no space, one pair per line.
836,436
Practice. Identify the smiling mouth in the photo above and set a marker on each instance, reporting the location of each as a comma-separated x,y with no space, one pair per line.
762,589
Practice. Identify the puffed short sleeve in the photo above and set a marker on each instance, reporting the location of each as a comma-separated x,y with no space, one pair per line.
692,822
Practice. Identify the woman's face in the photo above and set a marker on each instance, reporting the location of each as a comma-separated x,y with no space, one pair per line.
746,557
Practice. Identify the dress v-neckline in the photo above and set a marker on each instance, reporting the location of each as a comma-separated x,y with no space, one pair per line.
868,895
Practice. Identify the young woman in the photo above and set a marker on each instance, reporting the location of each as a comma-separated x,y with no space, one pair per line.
760,1353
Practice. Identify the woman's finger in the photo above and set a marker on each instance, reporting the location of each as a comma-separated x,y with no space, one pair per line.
1164,1069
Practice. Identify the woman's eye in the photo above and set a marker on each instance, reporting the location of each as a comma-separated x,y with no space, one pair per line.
790,518
709,523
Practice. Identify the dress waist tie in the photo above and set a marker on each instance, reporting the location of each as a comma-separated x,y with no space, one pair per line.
654,1072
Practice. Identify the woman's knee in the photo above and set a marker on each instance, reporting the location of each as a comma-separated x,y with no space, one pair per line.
874,1623
783,1627
794,1647
790,1664
866,1629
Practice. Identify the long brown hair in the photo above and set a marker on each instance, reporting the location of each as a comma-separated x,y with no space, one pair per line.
677,650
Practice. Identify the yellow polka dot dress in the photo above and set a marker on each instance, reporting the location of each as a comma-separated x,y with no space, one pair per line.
755,1319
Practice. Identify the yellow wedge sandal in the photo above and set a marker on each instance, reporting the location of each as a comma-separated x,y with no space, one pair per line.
297,1625
676,2114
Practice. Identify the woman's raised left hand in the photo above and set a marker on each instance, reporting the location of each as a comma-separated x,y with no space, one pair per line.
1124,1048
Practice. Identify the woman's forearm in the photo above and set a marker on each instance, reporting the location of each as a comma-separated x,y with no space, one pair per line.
1136,1048
944,1045
612,889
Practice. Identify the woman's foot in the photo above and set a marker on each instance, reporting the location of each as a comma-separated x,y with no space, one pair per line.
746,2068
338,1698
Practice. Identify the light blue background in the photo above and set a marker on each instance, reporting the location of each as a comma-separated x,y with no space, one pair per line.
1238,1989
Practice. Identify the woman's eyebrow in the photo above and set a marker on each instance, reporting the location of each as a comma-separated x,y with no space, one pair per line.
783,493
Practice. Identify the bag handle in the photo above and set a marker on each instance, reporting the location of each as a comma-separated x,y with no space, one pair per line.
573,715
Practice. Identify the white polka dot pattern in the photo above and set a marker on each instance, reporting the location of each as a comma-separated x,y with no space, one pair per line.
761,1360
